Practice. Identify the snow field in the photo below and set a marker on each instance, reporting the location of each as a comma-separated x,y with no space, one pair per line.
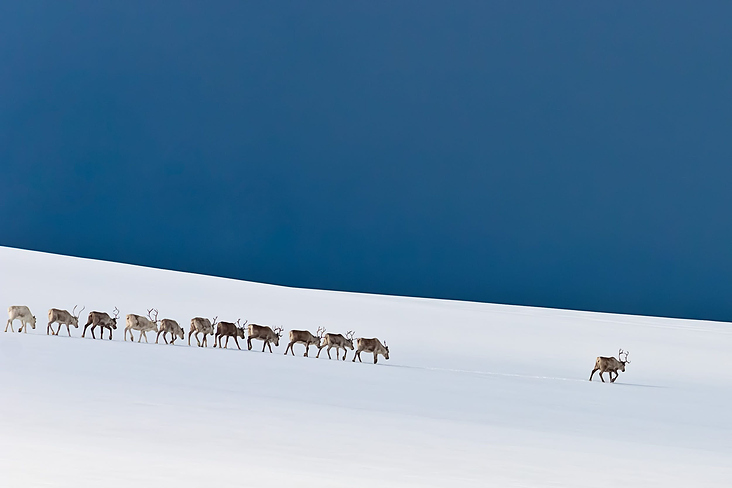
473,395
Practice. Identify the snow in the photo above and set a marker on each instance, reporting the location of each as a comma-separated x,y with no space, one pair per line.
474,394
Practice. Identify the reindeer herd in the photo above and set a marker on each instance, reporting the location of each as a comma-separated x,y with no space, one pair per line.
199,325
227,330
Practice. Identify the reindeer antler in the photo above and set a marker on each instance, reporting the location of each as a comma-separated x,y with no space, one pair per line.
150,314
321,332
214,320
350,334
116,312
278,331
73,311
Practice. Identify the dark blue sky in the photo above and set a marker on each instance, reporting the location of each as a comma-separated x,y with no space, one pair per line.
562,154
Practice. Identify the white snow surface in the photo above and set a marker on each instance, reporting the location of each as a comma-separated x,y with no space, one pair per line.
474,394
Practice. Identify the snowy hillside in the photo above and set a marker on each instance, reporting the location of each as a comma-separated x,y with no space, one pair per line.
473,395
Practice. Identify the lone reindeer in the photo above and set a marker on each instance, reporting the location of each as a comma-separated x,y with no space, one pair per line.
611,365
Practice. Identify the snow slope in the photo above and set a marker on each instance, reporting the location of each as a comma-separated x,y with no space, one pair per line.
474,394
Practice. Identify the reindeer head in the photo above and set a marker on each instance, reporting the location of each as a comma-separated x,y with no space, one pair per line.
241,332
75,316
623,358
33,322
114,319
213,325
152,314
278,334
386,348
349,339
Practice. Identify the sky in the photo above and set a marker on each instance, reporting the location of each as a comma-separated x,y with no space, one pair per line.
558,154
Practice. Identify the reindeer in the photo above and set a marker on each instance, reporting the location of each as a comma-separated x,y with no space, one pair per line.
142,324
339,342
611,365
202,325
304,337
63,317
264,333
229,329
370,345
103,321
170,325
22,313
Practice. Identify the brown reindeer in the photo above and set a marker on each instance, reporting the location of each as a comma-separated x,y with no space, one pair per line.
611,365
370,345
339,342
172,327
103,321
264,333
228,329
63,317
204,326
306,338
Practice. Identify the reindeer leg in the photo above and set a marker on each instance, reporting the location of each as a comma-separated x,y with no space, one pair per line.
603,379
345,353
48,328
612,380
289,346
227,342
8,325
376,358
110,334
249,343
328,351
236,339
318,355
307,349
197,341
593,373
68,329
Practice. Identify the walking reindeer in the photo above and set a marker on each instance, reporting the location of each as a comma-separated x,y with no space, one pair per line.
611,365
339,342
63,317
